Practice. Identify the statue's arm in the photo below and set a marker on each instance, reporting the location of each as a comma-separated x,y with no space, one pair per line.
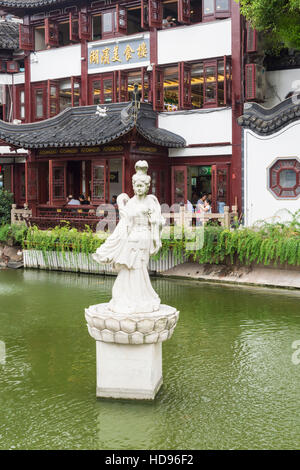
122,201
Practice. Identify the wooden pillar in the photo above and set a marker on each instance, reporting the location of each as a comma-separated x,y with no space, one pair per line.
237,105
51,182
28,104
31,185
12,181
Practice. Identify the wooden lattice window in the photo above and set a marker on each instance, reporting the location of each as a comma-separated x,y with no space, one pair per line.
284,178
98,182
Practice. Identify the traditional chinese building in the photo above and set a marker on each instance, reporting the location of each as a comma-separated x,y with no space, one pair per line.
195,64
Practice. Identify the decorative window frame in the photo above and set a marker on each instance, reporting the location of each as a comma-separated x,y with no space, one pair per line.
278,171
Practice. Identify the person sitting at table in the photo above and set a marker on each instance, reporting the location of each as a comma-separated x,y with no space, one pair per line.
72,202
200,201
83,200
207,206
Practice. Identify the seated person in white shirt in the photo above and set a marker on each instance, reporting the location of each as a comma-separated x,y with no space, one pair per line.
72,202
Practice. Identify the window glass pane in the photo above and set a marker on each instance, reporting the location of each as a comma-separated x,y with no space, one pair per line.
99,173
222,5
210,85
179,186
39,108
288,178
96,27
146,87
209,7
65,94
22,112
107,22
76,93
107,90
197,86
171,89
22,97
53,100
96,92
221,81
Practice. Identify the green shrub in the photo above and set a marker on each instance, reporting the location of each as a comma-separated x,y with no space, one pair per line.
6,200
13,234
265,243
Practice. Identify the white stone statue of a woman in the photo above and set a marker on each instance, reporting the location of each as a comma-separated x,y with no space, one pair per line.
136,237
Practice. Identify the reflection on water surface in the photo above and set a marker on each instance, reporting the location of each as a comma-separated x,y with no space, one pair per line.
229,381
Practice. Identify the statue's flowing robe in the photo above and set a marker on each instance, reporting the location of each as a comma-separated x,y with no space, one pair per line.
136,237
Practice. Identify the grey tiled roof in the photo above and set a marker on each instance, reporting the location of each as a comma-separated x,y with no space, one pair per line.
267,121
28,3
81,126
9,35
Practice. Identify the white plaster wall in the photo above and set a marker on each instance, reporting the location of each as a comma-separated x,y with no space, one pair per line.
9,78
259,153
279,84
56,63
205,126
199,41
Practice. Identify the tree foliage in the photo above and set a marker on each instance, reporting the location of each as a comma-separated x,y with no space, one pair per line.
280,19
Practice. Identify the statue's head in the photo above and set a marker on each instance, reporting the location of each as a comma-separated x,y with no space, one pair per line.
140,180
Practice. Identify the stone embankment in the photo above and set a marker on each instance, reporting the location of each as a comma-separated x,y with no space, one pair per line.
270,276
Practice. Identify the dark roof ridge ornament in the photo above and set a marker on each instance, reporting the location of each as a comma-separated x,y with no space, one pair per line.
136,102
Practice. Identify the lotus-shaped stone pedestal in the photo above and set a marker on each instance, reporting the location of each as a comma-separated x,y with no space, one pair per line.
129,350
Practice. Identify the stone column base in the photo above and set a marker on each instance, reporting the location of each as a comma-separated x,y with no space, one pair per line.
129,371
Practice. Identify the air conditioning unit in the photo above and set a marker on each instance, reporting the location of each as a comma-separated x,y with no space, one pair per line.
255,83
254,42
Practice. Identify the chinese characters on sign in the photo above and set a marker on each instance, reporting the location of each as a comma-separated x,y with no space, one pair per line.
114,54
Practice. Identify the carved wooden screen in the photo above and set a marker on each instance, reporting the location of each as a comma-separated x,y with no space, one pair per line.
99,181
52,98
85,26
121,19
184,11
51,33
155,13
144,14
26,37
73,27
31,182
158,89
58,186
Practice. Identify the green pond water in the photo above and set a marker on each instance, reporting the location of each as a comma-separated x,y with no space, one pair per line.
229,379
